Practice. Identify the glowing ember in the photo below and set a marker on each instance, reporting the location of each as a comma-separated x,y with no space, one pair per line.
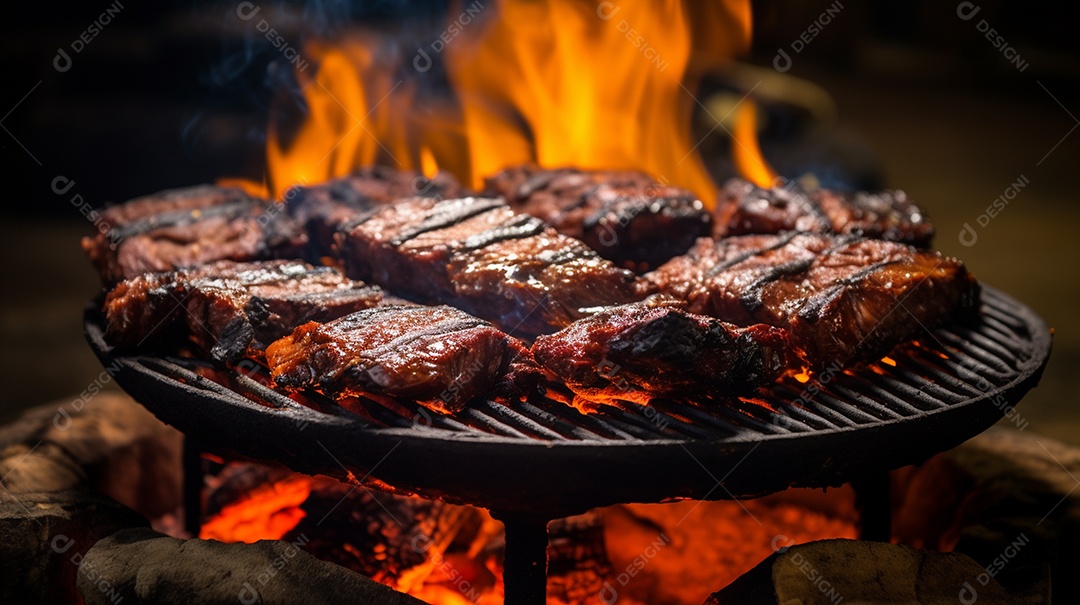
706,545
554,83
267,513
678,553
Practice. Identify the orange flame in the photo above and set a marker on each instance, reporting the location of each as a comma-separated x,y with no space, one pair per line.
745,149
564,82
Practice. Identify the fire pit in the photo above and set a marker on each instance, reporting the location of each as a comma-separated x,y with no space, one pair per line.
544,460
484,177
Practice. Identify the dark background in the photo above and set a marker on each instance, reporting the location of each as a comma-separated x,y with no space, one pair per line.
901,94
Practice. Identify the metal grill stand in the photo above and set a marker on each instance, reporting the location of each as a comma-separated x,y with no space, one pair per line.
525,565
865,422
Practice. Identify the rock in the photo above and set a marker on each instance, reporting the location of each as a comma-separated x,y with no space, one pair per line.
106,443
850,571
1007,499
44,537
39,467
143,566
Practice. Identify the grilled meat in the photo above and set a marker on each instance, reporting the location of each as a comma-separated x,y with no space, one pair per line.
653,348
745,208
325,207
188,227
839,298
627,217
230,309
170,200
436,355
476,254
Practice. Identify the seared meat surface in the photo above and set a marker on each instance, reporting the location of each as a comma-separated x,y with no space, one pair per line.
653,348
745,208
437,355
188,227
839,298
325,207
478,255
230,309
792,277
170,200
627,217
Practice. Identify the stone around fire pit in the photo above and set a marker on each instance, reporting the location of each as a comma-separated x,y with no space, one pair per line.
105,443
44,537
1007,498
143,566
849,571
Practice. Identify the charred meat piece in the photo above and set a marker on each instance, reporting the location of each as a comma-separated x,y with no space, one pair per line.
439,356
627,217
653,348
478,255
745,208
324,208
144,311
841,298
230,309
188,227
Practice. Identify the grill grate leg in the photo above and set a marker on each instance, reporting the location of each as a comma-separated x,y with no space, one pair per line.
872,499
192,488
525,567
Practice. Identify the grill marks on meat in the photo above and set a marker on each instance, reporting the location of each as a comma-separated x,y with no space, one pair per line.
653,348
627,217
745,208
840,298
324,208
230,309
478,255
189,227
440,356
805,282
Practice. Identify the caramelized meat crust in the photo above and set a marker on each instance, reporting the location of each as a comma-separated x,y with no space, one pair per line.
655,349
230,309
478,255
325,207
437,355
627,217
745,209
188,227
840,298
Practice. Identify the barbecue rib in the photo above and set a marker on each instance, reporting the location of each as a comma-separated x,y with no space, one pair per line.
230,309
653,348
325,207
188,227
476,254
840,298
436,355
745,208
627,217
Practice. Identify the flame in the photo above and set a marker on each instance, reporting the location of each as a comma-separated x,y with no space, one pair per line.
428,165
564,82
745,149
